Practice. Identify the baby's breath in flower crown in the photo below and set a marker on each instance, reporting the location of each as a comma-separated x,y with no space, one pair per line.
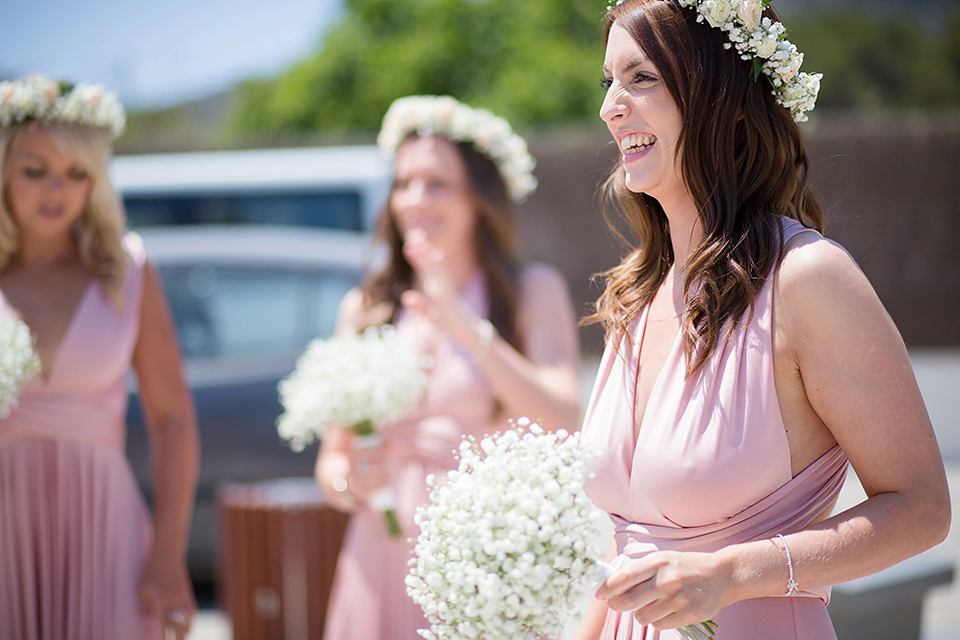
760,41
445,116
47,101
18,361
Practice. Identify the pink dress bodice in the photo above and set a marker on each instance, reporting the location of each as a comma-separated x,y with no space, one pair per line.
710,465
84,396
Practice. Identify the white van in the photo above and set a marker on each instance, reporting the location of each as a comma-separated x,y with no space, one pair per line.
336,187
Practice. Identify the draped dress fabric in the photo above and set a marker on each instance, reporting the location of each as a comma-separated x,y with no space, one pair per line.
369,598
707,466
74,529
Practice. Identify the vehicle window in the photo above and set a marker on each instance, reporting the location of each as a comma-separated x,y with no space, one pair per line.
330,210
227,311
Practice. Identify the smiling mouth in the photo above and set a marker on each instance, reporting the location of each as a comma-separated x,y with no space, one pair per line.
637,143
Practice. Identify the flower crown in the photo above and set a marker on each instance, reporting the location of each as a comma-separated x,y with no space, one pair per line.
760,41
489,134
45,100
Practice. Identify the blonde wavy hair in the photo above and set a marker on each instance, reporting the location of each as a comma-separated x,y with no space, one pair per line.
99,230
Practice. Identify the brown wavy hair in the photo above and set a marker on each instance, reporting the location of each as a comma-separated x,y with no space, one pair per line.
496,240
742,159
99,230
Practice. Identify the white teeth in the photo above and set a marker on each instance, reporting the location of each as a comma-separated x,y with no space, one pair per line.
637,142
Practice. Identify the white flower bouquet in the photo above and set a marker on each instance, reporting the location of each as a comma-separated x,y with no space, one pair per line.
18,361
508,540
358,381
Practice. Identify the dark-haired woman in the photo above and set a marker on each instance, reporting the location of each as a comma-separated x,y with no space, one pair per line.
748,359
502,338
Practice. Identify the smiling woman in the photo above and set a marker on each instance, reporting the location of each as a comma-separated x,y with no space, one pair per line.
748,361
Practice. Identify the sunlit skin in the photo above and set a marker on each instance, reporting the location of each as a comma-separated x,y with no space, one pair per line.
643,119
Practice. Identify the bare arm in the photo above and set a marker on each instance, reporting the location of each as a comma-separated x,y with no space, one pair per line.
857,378
171,420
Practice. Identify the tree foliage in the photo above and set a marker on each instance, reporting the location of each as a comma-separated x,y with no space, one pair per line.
888,62
532,61
538,62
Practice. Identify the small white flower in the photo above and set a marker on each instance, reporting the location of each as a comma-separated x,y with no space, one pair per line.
349,380
18,361
513,534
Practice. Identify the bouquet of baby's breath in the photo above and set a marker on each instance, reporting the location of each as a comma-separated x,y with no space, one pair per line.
358,381
509,538
18,361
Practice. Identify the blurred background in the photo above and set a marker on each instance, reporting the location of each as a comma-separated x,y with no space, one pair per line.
289,95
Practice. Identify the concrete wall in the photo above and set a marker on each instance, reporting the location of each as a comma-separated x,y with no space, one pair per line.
890,187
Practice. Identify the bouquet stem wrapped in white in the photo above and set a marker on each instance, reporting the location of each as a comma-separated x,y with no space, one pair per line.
509,543
356,381
18,361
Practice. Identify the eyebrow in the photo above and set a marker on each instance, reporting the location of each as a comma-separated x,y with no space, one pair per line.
633,64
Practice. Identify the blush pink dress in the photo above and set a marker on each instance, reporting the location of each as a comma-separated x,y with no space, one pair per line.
74,529
369,599
710,467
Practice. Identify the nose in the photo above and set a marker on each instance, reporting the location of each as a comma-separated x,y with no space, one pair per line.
614,106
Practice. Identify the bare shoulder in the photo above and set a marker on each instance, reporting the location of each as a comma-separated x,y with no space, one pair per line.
819,281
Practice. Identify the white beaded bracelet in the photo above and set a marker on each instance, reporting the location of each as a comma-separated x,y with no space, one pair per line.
792,586
484,338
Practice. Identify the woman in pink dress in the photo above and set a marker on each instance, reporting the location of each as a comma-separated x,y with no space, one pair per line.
748,359
501,336
79,558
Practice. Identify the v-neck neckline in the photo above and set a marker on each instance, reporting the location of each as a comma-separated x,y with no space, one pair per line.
45,375
638,421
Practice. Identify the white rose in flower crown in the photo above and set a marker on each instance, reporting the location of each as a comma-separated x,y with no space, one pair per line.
718,12
750,12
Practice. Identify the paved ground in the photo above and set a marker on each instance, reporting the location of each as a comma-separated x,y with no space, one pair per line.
938,373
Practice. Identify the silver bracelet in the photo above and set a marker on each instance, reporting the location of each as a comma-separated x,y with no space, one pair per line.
484,338
792,586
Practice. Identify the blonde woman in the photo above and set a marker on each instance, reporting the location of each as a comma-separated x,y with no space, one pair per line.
79,557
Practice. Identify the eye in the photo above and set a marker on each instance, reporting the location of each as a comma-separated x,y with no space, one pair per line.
77,174
606,83
34,172
641,77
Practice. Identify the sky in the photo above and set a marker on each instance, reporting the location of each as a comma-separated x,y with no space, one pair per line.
156,53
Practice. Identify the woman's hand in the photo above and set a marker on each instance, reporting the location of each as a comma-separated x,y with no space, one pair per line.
165,590
669,589
369,470
438,301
